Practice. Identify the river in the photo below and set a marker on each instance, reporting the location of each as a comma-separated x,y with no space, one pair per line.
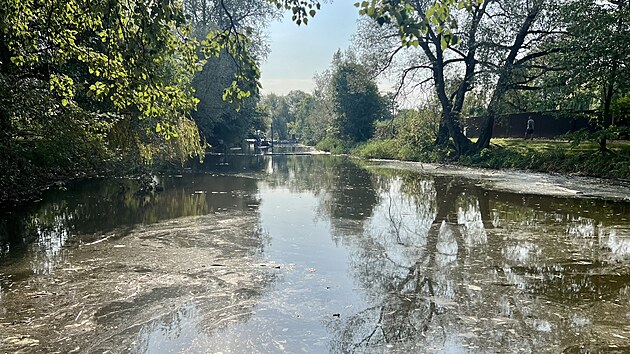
319,254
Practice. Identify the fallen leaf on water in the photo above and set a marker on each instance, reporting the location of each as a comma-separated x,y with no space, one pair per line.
22,341
473,287
39,294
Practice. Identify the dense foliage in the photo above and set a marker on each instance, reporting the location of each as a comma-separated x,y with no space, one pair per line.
85,84
220,124
497,56
87,87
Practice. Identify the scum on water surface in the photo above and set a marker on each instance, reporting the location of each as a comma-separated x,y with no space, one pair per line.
318,254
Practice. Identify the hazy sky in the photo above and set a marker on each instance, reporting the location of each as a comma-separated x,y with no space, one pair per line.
297,53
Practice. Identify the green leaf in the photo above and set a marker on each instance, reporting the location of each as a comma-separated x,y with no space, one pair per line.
430,11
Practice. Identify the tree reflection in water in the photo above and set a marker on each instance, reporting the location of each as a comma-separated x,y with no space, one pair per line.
446,264
100,207
439,264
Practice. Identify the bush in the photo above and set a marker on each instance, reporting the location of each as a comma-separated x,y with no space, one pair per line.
378,149
334,145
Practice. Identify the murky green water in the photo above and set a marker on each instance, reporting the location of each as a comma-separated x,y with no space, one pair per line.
313,254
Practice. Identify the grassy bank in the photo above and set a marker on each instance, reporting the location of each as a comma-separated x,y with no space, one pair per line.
537,155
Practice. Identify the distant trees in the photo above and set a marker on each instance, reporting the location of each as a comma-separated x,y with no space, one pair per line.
276,109
300,105
291,116
356,102
345,105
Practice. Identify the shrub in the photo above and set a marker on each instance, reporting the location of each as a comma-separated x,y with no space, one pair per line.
334,145
379,149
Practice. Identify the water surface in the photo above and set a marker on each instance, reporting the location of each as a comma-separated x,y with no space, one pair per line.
313,254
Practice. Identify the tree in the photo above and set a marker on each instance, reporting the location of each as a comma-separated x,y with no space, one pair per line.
462,42
90,82
277,110
218,120
135,57
301,105
600,30
344,105
356,102
314,122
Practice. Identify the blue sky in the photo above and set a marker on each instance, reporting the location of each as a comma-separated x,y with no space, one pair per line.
297,53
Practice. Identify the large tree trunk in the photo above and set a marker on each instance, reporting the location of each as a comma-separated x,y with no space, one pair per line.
607,112
462,143
608,93
486,133
505,77
450,126
441,138
450,118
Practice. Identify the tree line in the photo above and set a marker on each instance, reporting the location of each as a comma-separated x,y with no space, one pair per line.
101,85
488,58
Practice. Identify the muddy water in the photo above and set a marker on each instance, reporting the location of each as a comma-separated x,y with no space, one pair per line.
315,254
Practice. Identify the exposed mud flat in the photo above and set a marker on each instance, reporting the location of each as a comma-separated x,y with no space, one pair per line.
102,295
524,182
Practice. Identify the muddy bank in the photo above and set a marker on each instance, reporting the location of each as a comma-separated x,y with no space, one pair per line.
522,182
108,293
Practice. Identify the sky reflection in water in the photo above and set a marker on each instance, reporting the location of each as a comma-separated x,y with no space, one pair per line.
369,260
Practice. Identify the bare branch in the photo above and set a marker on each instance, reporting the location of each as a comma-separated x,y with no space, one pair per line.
526,88
406,72
451,61
389,61
535,55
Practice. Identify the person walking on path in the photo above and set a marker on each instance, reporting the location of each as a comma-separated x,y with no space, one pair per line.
530,129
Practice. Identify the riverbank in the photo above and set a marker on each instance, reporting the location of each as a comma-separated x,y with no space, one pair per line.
28,182
548,156
519,182
27,187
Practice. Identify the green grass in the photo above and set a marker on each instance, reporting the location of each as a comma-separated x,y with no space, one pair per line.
555,157
534,155
622,147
